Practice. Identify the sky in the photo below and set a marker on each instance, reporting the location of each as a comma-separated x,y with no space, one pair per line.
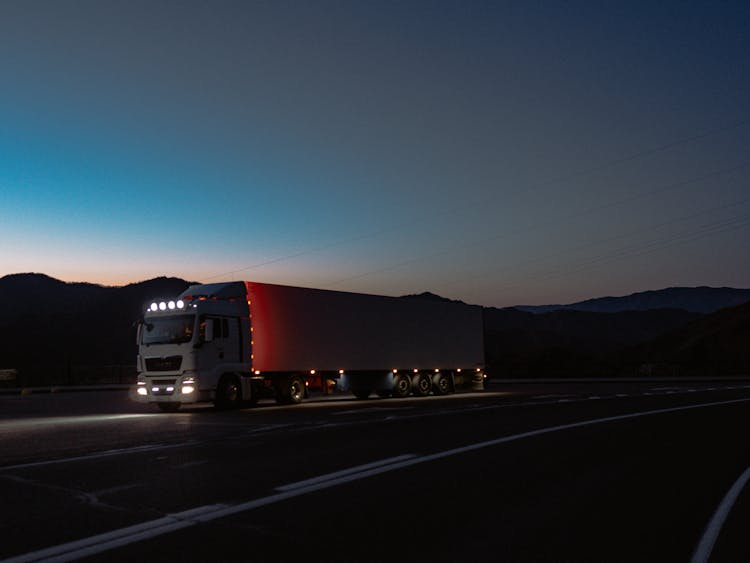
501,153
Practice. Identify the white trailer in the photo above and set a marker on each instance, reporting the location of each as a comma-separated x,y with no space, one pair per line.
234,342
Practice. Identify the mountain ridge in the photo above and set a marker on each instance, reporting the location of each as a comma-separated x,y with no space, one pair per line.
701,299
54,331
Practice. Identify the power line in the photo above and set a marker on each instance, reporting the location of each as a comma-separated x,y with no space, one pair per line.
533,226
560,179
634,250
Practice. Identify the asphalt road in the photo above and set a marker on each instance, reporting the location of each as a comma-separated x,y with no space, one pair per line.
552,472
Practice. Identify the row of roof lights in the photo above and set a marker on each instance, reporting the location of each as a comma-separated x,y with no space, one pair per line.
164,305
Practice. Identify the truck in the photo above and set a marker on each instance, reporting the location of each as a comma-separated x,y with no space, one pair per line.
234,343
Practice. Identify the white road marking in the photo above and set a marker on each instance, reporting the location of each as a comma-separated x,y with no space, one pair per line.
59,420
343,472
706,545
108,453
116,538
170,523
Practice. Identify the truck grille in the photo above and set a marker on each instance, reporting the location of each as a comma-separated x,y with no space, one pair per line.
170,363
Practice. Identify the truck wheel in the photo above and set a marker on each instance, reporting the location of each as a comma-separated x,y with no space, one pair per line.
296,390
228,393
168,407
442,384
290,391
401,386
383,393
422,384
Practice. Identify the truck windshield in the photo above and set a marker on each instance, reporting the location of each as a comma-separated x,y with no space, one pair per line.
168,330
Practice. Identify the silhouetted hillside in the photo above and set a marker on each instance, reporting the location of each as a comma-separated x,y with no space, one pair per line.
568,343
695,299
51,330
57,332
428,296
717,344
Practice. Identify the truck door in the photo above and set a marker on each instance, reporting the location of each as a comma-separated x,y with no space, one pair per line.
230,330
224,346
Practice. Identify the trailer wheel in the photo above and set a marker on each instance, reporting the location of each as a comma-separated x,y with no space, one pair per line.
401,385
442,384
168,407
296,390
422,384
228,392
290,390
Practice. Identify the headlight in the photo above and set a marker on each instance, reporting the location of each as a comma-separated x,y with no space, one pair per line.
189,383
142,391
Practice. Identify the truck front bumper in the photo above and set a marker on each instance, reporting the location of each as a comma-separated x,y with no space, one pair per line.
167,394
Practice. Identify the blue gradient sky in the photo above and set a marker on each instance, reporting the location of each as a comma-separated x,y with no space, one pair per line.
500,153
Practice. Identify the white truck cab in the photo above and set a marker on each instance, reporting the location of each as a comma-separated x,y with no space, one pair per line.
186,345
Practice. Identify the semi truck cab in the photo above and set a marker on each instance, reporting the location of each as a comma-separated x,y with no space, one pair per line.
187,344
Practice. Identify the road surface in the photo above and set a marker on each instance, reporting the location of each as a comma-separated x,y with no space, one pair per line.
546,472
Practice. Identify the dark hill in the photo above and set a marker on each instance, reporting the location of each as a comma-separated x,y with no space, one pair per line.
57,332
715,345
53,332
694,299
568,343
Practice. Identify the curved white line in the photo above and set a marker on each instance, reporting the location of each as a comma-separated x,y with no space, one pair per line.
706,545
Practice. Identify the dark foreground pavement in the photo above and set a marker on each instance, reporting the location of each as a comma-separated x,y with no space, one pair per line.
587,472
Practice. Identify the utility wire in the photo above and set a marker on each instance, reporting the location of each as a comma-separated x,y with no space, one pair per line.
649,247
560,179
534,226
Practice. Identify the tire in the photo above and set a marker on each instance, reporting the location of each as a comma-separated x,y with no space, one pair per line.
296,390
168,407
401,386
290,391
383,393
421,385
228,392
441,384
